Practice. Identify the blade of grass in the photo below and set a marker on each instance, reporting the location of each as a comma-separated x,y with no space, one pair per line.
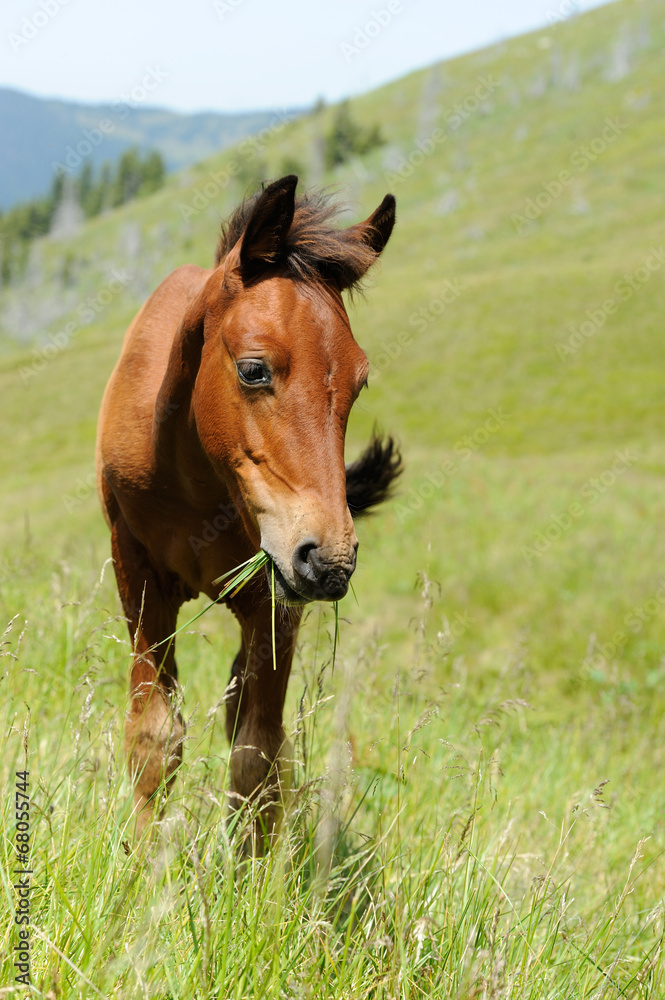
336,636
274,650
237,568
243,574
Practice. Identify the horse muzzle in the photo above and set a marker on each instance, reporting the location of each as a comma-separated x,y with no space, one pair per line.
315,575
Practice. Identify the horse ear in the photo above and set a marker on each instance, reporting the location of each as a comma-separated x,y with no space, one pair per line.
375,231
268,225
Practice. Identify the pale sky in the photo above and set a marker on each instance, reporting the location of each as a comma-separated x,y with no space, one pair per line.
230,55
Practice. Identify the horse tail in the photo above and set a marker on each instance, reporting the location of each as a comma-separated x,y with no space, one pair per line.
371,478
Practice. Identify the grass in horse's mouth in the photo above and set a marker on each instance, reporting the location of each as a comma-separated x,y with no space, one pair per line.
237,578
242,574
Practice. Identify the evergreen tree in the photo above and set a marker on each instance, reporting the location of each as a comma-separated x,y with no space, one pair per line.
153,173
347,138
100,197
128,178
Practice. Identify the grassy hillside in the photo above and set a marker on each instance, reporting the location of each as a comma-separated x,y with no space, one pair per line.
506,655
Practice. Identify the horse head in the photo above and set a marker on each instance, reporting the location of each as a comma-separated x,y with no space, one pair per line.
279,373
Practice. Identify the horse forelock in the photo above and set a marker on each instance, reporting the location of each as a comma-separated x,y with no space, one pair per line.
314,250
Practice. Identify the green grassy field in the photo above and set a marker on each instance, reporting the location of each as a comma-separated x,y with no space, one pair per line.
479,810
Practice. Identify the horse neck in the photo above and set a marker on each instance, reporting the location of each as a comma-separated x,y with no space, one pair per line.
174,430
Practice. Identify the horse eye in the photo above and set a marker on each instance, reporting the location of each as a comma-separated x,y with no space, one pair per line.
253,372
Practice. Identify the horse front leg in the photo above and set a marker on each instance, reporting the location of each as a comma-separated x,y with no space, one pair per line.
153,731
261,753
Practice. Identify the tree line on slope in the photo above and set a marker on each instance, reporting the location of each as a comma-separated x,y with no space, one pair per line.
72,200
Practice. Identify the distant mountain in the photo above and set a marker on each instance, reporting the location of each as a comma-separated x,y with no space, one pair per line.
37,132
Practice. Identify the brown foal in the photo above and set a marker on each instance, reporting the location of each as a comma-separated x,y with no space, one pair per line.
221,432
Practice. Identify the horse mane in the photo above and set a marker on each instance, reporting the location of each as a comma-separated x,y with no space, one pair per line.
314,250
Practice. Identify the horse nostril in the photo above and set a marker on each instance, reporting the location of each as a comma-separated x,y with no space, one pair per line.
331,579
302,563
